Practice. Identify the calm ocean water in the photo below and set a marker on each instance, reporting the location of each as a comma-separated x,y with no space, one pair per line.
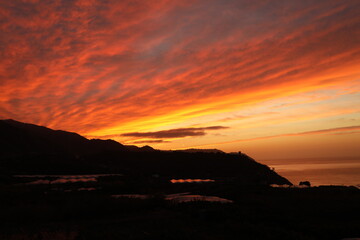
319,171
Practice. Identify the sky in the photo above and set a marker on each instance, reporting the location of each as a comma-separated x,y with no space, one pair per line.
273,79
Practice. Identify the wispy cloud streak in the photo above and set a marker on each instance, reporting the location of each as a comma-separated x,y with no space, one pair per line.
98,67
171,133
149,141
340,130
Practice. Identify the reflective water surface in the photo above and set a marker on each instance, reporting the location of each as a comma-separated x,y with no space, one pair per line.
178,197
319,171
191,180
53,179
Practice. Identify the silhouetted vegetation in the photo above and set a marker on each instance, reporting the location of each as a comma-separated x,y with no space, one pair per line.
305,183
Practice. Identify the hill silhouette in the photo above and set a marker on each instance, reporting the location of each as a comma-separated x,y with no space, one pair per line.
18,137
28,149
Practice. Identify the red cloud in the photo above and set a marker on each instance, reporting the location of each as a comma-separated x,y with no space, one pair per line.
88,65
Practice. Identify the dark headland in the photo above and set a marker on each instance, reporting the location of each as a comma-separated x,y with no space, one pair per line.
39,198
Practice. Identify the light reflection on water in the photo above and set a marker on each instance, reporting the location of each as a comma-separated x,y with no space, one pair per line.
54,179
191,180
178,197
318,171
63,180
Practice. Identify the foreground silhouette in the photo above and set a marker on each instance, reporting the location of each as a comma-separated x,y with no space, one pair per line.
32,149
258,212
104,206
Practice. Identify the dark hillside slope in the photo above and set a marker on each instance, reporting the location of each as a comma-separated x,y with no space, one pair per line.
178,164
23,138
28,149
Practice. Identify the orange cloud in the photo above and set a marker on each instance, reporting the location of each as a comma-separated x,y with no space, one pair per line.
98,67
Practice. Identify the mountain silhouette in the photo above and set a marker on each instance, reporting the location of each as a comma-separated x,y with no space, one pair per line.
28,149
19,138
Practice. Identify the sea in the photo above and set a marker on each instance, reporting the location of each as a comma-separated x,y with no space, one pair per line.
319,171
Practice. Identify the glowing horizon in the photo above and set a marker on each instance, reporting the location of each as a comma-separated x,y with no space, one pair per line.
269,78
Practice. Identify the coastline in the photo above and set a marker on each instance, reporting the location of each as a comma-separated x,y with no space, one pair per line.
319,171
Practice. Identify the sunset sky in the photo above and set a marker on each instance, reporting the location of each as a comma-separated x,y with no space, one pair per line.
274,79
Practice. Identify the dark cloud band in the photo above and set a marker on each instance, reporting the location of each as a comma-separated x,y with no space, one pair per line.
174,133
